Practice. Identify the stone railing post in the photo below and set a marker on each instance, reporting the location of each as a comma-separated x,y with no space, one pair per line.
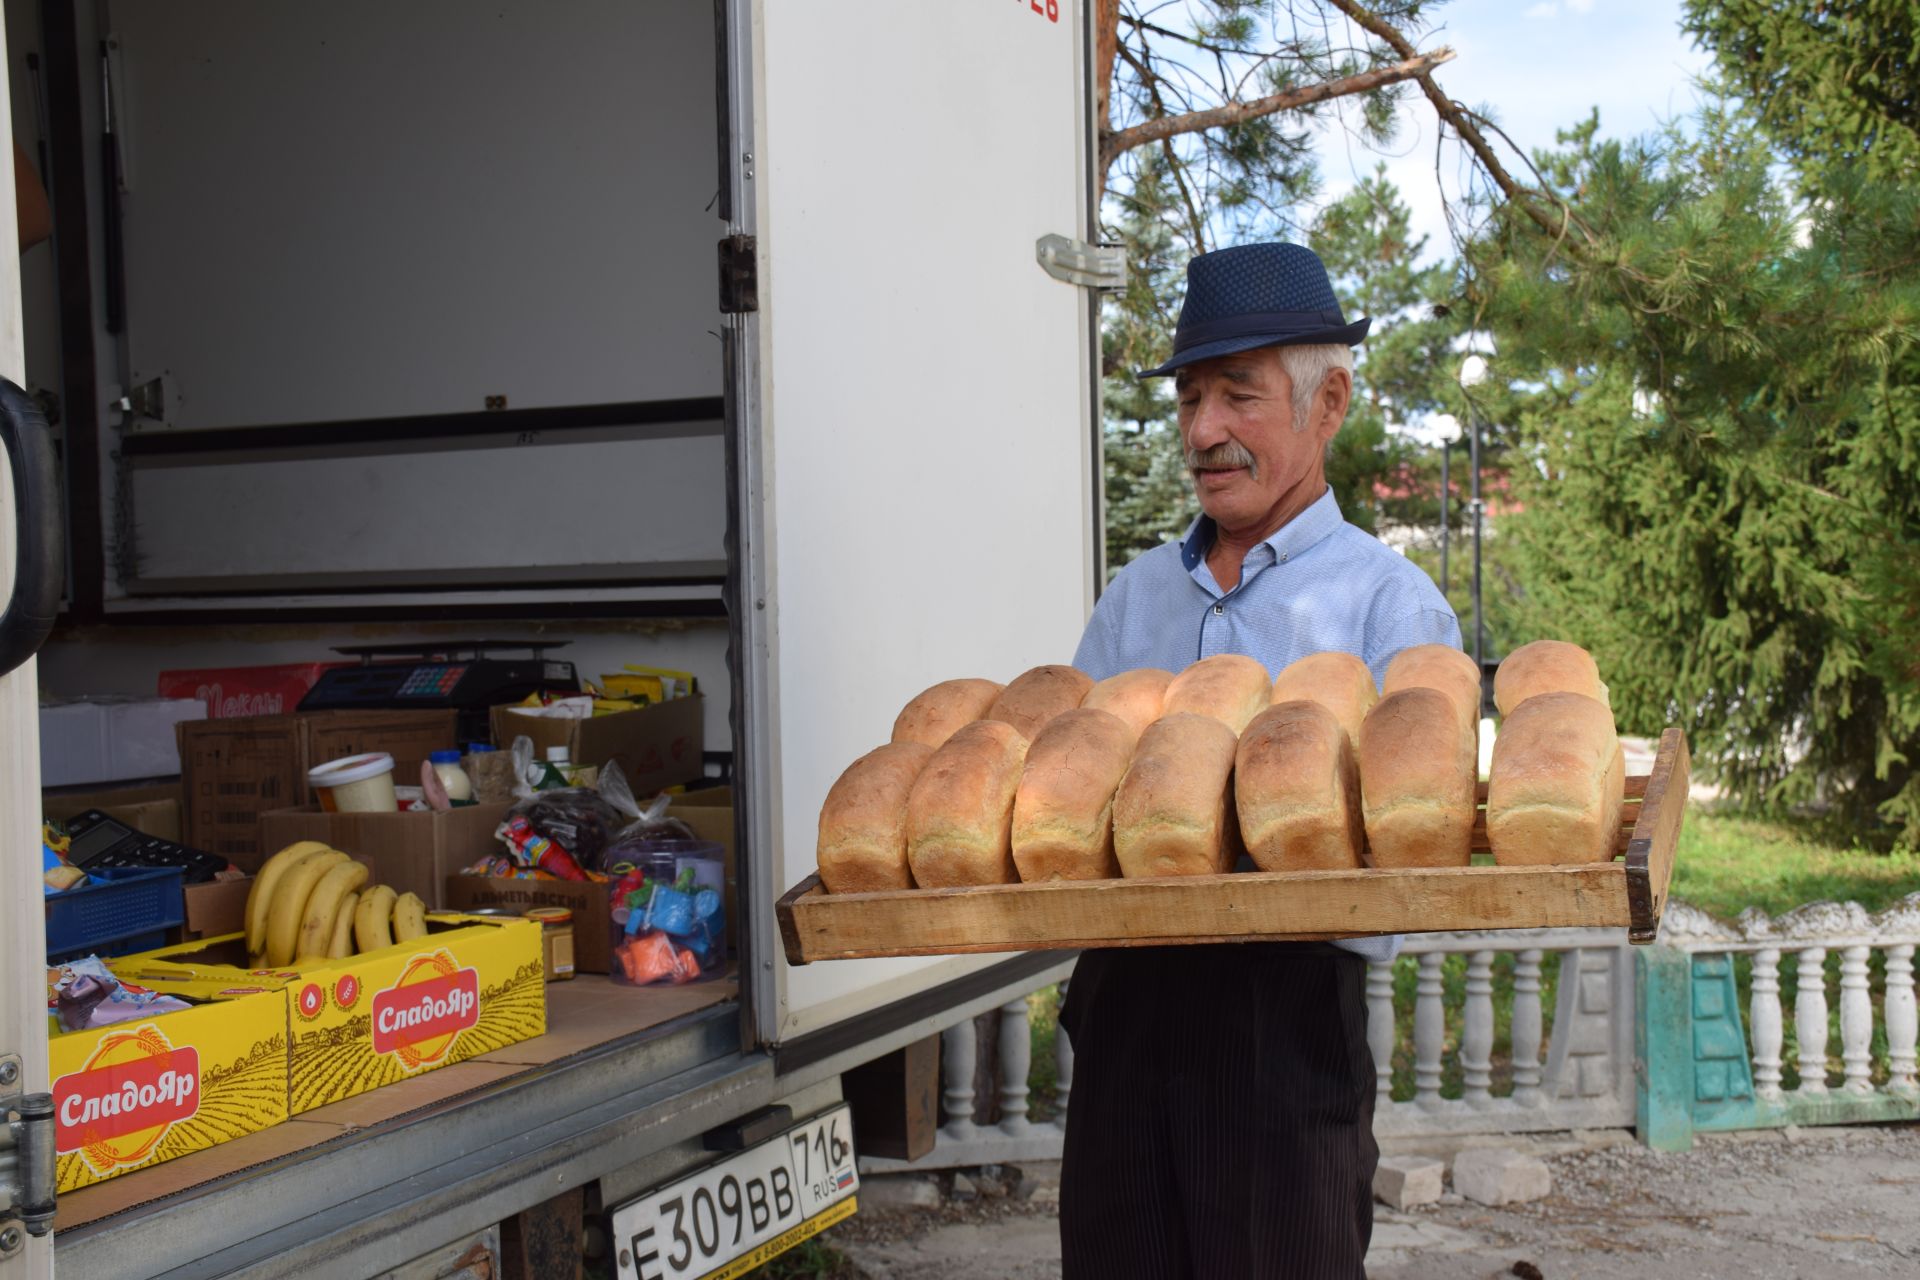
1016,1063
1380,1030
1810,1019
1526,1029
1663,1047
1429,1031
1062,1066
1768,1029
1901,1021
1476,1035
956,1072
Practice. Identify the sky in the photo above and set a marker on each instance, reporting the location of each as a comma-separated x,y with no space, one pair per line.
1540,65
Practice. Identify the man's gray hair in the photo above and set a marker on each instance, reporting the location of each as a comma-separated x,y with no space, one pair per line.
1307,368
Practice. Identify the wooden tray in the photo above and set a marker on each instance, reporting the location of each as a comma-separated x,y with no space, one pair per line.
1630,891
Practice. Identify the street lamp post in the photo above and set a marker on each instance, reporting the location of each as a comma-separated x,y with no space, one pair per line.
1447,427
1473,372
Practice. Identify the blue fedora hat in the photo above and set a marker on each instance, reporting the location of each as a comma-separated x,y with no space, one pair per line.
1257,295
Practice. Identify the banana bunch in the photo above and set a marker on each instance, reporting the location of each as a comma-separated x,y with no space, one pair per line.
310,902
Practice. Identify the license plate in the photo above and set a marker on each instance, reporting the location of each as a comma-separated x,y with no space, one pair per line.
739,1212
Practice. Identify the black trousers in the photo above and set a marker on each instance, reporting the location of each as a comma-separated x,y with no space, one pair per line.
1221,1121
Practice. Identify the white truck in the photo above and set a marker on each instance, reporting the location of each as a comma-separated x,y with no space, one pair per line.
755,337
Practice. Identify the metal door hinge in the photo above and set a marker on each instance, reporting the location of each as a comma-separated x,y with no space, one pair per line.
26,1160
1077,262
739,275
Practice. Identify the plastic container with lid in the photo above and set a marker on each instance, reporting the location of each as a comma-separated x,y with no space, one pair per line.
356,784
459,786
556,941
554,772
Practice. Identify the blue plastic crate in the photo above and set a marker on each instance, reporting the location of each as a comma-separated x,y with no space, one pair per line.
119,911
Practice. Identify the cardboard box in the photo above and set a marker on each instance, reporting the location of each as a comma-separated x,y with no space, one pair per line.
136,1093
111,739
152,810
413,852
232,692
592,916
232,771
655,746
472,985
215,908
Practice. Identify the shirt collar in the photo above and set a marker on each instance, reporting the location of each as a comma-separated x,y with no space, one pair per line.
1308,529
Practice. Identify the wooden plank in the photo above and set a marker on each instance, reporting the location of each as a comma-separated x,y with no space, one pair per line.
1245,905
1649,865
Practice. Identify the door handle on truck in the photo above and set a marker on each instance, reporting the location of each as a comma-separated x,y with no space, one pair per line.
39,551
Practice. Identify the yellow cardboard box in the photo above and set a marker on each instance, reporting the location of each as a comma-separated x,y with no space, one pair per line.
136,1093
472,985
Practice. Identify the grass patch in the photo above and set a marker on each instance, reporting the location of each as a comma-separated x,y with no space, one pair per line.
812,1259
1727,863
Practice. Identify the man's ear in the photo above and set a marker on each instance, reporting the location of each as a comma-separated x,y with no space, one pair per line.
1330,402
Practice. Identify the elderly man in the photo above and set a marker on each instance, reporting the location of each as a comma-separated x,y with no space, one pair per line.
1222,1111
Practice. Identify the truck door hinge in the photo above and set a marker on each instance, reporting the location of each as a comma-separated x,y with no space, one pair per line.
739,275
26,1160
1077,262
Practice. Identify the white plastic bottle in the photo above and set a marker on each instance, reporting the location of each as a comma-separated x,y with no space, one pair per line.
454,778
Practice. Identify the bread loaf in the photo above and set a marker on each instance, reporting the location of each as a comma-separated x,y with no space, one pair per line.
1037,696
1135,696
1442,667
863,824
1173,814
1063,812
1558,783
1417,780
1297,790
931,718
1546,666
1339,682
960,811
1230,687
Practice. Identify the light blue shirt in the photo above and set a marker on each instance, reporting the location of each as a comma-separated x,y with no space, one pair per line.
1318,585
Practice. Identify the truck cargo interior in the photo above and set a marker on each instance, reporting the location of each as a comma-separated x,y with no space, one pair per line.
367,325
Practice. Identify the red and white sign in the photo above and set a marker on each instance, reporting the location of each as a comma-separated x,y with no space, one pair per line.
133,1088
420,1016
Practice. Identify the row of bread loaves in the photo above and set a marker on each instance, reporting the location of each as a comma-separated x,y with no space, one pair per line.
1147,773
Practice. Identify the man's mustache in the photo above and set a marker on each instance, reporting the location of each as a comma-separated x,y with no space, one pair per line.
1228,455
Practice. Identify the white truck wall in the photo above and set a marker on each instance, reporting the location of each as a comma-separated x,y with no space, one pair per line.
366,209
927,417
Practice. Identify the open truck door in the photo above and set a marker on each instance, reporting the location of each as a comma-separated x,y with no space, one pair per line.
30,583
920,484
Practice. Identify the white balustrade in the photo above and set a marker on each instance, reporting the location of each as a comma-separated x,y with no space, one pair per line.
1476,1036
1016,1063
1809,933
1769,1032
1062,1068
1429,1031
1526,1030
1856,1021
1380,1029
1810,1019
956,1071
1902,1023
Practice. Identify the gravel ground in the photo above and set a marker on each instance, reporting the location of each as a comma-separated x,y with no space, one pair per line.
1770,1206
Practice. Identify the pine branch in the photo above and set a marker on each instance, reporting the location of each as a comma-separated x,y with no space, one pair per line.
1416,66
1459,117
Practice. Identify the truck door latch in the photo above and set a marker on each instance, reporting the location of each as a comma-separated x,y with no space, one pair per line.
26,1160
1077,262
739,275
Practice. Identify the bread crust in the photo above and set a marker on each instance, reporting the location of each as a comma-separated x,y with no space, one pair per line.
1558,783
1137,696
934,714
1418,774
863,823
1339,682
1173,814
1296,787
1442,667
1037,696
1063,811
1230,687
960,810
1546,666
